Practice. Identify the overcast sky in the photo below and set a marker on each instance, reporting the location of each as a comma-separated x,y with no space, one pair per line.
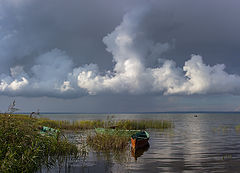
120,56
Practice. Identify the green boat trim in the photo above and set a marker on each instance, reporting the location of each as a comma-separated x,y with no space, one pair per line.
140,135
44,130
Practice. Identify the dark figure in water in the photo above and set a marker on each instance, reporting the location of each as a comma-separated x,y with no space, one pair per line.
31,115
34,113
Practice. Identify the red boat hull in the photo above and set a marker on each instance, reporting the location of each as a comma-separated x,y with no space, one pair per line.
139,143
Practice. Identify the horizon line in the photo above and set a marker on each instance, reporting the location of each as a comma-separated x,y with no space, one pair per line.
162,112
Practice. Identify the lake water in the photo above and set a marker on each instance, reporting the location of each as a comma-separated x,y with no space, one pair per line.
208,142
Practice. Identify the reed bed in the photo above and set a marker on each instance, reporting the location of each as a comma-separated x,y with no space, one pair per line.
118,139
143,124
237,128
108,142
74,125
24,149
119,124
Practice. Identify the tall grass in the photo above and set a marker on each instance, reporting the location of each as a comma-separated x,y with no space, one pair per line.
119,124
237,128
74,125
118,139
107,142
143,124
24,149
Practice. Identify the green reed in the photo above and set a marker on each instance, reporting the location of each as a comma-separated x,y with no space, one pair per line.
119,124
107,142
24,149
143,124
118,139
74,125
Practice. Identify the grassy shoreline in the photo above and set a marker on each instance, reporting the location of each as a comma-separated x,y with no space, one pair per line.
24,149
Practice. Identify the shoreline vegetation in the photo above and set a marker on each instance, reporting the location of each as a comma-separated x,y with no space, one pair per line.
118,124
24,149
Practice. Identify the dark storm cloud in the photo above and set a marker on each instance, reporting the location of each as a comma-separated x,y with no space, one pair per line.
73,26
57,49
208,28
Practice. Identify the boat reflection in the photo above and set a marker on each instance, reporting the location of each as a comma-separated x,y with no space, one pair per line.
139,152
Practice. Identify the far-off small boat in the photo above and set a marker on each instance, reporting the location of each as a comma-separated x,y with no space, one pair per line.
139,140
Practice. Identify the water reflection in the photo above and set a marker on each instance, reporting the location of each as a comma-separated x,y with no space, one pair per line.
139,152
206,143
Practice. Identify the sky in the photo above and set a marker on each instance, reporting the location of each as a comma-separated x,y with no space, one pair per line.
120,56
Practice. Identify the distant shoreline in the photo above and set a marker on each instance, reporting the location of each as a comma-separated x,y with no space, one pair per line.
170,112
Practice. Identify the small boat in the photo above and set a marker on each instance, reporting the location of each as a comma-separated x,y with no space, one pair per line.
44,130
139,140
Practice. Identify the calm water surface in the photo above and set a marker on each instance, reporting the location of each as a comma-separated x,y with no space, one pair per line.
206,143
